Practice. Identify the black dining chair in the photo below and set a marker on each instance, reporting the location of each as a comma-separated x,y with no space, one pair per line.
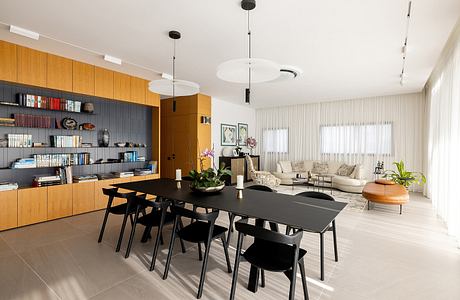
203,230
126,209
157,217
331,227
271,251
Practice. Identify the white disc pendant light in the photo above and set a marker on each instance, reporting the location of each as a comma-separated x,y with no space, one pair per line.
174,87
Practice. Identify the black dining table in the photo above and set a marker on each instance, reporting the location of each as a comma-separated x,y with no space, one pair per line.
305,213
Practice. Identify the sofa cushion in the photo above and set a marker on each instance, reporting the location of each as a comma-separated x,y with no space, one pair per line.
345,180
298,166
286,166
358,172
320,167
345,170
308,165
333,166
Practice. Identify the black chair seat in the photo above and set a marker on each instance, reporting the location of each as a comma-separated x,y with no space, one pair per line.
153,219
271,256
121,209
197,232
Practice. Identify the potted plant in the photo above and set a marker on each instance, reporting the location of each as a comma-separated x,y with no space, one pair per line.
403,177
208,180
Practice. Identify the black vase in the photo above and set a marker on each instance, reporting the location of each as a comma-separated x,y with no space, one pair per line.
105,138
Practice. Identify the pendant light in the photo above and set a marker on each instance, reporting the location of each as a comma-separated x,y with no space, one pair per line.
170,86
248,70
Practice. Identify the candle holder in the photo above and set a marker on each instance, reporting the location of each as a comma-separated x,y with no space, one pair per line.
239,194
178,185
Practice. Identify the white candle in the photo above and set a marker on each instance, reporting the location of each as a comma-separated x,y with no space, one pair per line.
178,174
240,182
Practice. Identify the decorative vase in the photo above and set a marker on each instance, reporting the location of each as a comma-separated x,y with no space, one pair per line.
207,190
105,138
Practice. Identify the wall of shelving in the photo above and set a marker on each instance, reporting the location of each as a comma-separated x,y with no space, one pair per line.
126,122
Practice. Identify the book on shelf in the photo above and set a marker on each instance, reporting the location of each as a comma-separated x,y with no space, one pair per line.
34,121
62,159
65,141
24,163
19,140
51,103
123,174
85,178
8,186
142,172
7,122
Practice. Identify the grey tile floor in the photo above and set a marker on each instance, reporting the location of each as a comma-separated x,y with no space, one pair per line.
382,255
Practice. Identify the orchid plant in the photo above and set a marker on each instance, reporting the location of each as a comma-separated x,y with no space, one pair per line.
251,142
211,177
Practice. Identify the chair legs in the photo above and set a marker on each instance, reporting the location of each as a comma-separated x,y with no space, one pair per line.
262,277
293,278
236,267
230,228
158,240
171,248
133,230
204,267
304,278
227,258
321,251
200,253
101,234
334,233
122,231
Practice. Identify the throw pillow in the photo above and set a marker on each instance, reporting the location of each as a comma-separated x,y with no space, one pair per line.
286,166
345,170
358,172
298,166
320,167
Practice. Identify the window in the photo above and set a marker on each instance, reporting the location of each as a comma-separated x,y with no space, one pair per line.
357,139
276,140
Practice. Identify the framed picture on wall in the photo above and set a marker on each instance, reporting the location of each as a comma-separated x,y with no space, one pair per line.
228,135
242,134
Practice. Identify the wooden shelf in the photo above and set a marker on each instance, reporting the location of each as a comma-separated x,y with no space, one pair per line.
94,147
46,109
99,164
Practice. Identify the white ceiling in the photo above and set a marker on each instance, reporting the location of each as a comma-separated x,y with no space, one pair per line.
347,49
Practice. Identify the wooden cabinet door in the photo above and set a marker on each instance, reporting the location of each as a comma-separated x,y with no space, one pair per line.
237,167
8,62
31,66
8,209
32,205
138,89
100,200
59,201
82,78
83,197
59,73
152,99
121,86
103,83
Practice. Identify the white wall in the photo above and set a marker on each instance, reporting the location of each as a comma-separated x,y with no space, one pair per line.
230,113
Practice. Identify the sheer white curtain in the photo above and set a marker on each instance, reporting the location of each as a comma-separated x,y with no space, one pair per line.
364,131
443,152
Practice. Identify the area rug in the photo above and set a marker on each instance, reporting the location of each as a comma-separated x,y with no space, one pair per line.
356,202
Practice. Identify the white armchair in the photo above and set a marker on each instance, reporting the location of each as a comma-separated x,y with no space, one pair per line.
261,177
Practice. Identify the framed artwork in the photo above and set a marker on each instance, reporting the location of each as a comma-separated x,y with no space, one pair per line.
242,134
228,135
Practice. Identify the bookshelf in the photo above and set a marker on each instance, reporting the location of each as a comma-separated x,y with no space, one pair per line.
6,104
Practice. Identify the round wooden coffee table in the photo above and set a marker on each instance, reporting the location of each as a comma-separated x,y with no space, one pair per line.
385,192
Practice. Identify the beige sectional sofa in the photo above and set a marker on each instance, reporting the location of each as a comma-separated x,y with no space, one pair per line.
353,183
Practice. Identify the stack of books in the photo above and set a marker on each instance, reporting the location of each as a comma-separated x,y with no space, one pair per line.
8,186
7,122
105,176
46,180
128,156
85,178
19,140
51,103
64,159
61,141
141,172
24,163
123,174
34,121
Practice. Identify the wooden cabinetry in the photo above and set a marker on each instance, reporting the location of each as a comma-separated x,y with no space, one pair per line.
138,90
183,137
59,73
121,86
8,209
83,78
8,62
59,201
103,83
238,166
31,66
100,200
83,197
152,99
32,205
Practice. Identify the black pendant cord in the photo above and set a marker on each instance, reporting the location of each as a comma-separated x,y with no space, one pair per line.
248,91
174,77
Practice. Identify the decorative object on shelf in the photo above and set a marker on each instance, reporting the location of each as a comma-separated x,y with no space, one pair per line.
104,138
69,123
86,145
209,180
242,134
251,143
3,143
169,85
378,170
88,107
228,135
87,126
403,177
120,144
248,70
237,151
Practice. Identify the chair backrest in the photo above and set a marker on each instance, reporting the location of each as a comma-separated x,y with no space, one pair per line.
316,195
113,192
259,187
260,233
249,163
187,213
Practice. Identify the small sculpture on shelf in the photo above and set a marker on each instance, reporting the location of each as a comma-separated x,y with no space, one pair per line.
104,138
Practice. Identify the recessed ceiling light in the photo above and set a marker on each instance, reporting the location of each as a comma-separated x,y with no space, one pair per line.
24,32
112,59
